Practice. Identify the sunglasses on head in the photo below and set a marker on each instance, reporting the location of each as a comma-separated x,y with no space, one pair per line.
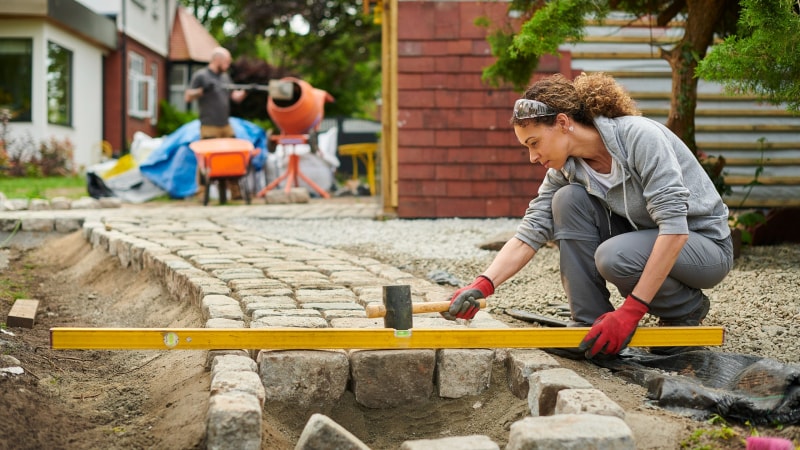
531,109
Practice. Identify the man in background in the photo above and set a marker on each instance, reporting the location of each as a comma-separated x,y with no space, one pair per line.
210,87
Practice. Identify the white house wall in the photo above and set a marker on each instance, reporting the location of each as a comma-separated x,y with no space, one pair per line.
105,7
86,132
30,29
146,21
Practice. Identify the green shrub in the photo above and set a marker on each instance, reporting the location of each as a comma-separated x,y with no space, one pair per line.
171,118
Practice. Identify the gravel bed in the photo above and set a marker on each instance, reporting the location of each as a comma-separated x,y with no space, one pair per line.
758,303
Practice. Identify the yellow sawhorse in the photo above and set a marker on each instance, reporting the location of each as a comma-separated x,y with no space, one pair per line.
364,152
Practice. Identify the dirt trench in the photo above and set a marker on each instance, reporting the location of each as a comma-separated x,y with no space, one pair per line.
158,399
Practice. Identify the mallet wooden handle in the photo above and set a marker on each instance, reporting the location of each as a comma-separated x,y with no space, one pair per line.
416,308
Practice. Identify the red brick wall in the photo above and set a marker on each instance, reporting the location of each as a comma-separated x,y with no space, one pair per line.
116,86
457,153
112,103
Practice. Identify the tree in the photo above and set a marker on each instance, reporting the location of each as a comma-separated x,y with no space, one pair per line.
547,24
763,57
330,44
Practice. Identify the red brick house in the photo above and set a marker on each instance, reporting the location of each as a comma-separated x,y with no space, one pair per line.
457,155
140,74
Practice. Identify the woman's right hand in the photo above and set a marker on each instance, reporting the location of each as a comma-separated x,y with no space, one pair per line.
465,302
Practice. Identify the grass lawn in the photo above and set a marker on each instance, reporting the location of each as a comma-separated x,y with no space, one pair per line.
73,187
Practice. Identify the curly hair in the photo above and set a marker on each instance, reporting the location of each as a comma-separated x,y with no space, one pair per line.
583,99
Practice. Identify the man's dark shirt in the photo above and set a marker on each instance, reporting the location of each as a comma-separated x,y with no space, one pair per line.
214,104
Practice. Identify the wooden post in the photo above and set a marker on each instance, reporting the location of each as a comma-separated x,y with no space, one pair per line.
388,160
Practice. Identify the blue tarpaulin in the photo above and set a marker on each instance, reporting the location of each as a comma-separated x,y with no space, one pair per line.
173,166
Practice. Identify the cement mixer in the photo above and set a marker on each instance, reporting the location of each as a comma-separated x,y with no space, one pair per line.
303,112
298,117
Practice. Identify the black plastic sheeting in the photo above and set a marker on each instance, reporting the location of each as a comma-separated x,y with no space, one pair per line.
701,383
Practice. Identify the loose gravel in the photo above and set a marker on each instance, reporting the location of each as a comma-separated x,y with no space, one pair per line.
758,303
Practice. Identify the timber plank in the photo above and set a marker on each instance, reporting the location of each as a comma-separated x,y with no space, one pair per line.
23,313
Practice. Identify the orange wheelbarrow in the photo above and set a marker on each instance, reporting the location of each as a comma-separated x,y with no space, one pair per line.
224,160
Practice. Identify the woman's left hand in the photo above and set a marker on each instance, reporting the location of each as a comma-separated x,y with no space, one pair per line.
614,330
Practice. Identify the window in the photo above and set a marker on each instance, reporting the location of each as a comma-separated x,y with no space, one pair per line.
151,93
141,89
177,85
16,65
59,85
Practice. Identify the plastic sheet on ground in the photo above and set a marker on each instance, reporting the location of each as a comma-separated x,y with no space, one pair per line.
701,383
164,165
173,166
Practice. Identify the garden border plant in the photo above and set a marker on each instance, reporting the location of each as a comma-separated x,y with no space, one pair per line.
742,223
23,157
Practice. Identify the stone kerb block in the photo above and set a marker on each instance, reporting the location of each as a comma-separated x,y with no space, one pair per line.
224,323
16,204
277,197
138,249
238,273
39,204
545,385
98,239
88,228
122,249
463,372
235,362
354,278
85,203
331,314
321,432
114,238
60,203
109,202
338,295
221,306
304,378
390,378
289,321
68,224
357,322
240,284
161,262
333,306
521,363
212,355
299,195
177,284
233,422
472,442
587,401
257,314
244,381
182,285
571,431
255,302
208,285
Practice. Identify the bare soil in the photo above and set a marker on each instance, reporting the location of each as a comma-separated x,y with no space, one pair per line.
157,399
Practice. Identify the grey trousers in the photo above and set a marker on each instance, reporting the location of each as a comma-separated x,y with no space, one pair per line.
598,246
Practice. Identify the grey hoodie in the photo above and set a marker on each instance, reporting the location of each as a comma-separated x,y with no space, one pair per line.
663,185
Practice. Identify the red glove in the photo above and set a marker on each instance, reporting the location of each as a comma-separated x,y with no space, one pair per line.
613,330
465,302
